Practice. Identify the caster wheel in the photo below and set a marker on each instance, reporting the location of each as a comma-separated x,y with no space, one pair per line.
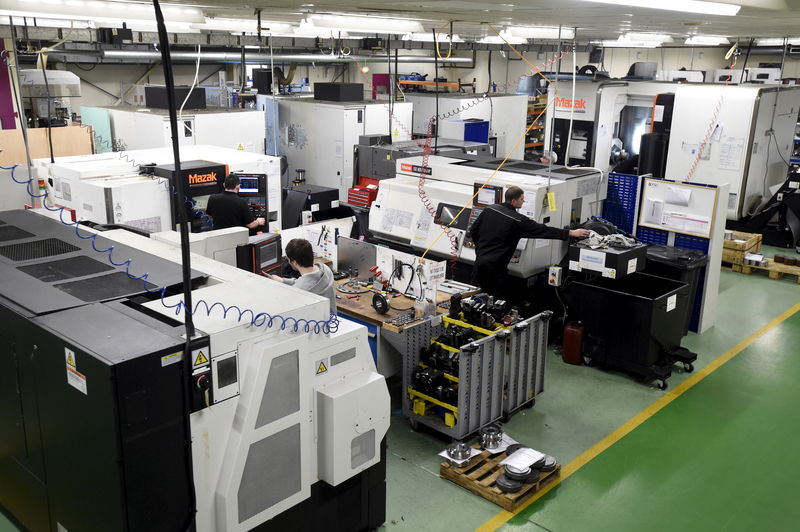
688,368
662,385
414,424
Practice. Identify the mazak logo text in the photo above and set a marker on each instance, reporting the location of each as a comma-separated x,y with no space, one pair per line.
567,103
199,179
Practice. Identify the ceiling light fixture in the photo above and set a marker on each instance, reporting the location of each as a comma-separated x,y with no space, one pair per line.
242,25
499,39
428,37
706,40
657,38
686,6
76,10
542,32
777,41
364,24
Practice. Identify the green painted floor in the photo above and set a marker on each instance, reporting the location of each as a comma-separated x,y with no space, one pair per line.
702,481
722,456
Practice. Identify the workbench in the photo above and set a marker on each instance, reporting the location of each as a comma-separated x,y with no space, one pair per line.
386,340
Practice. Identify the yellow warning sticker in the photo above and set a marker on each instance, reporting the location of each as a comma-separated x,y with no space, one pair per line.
321,367
200,359
71,360
551,201
173,358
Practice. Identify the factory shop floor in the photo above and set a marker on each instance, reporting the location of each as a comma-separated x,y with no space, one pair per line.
713,452
718,456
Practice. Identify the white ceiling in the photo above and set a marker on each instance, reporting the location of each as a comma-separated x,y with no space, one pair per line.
757,18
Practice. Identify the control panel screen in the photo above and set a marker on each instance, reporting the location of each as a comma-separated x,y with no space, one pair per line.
268,254
488,195
445,214
249,185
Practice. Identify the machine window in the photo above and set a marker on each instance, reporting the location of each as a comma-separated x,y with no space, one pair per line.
226,372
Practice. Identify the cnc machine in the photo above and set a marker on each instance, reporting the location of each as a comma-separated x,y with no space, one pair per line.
109,423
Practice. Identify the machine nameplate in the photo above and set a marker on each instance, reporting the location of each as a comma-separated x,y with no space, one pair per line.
173,358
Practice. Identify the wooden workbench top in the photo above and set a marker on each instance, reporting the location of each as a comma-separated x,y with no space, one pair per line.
361,307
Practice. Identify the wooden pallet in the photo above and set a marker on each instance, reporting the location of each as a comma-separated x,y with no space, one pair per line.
775,270
480,475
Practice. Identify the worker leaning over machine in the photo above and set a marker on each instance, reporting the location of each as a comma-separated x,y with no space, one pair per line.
496,233
315,278
227,209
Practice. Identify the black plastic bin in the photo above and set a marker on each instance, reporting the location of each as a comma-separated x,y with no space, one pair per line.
680,264
634,324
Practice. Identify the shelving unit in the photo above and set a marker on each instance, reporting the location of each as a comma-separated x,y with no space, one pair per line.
534,140
458,85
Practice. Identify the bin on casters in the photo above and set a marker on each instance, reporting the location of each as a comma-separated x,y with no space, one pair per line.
634,324
680,264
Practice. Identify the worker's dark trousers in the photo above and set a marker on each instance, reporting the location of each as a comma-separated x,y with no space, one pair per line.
491,278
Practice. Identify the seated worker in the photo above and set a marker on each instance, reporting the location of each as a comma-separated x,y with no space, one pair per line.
229,210
315,278
496,233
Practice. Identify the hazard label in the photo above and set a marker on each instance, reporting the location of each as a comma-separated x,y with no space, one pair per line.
74,378
200,357
321,367
69,355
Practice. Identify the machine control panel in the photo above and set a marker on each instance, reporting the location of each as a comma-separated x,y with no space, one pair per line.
201,386
473,215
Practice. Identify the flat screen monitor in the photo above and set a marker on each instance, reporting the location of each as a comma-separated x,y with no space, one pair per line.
252,184
267,253
488,195
445,213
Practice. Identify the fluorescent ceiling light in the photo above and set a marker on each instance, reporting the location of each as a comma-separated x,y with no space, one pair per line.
686,6
242,25
542,32
309,30
706,40
91,9
427,37
365,24
498,39
778,41
624,42
657,38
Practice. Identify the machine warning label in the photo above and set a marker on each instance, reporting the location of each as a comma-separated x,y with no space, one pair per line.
200,357
405,167
174,358
321,367
74,378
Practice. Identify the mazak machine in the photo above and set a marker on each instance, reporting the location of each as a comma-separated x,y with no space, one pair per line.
399,214
506,114
111,420
319,136
110,188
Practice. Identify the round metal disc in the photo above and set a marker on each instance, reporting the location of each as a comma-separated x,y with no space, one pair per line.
549,464
508,485
517,474
532,477
514,447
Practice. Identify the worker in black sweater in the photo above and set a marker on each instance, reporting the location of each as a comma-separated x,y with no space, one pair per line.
497,232
227,209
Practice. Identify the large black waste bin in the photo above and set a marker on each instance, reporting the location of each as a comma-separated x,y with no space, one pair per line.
634,324
680,264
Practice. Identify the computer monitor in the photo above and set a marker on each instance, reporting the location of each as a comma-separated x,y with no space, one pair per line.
445,213
488,195
252,184
261,255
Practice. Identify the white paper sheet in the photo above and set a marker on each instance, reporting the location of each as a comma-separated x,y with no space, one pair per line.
678,195
730,154
697,224
653,211
523,458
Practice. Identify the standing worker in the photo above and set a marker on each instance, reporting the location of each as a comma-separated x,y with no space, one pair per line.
496,233
229,210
